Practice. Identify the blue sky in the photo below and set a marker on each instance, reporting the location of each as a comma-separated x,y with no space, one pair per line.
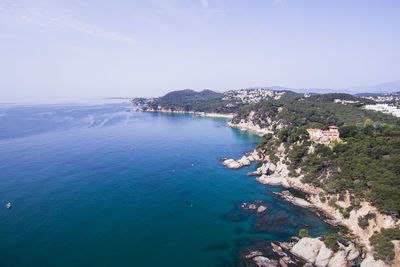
55,50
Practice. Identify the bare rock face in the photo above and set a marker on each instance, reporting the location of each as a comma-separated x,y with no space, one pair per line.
338,260
307,248
371,262
352,252
255,156
267,168
323,256
244,161
271,167
274,180
287,196
314,251
231,164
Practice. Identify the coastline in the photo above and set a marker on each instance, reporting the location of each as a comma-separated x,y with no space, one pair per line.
249,127
280,177
197,114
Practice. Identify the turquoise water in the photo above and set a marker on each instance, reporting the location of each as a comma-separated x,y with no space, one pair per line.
100,186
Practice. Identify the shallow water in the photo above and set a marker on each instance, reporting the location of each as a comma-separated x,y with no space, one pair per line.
97,185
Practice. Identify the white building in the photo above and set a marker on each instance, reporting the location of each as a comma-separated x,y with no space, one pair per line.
384,108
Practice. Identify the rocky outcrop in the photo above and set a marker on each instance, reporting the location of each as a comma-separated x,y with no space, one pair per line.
231,164
244,161
257,205
352,252
287,196
250,123
274,180
314,251
265,169
369,261
338,260
249,126
323,257
307,249
236,164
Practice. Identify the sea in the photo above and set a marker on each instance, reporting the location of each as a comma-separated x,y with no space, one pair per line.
102,185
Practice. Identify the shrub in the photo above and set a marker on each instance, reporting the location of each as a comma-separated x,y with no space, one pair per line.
331,242
363,221
332,201
304,233
391,233
384,249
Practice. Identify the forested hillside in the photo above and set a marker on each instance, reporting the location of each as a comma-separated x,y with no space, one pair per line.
366,162
315,109
189,100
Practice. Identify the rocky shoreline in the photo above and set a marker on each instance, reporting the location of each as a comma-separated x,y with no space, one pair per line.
278,175
196,114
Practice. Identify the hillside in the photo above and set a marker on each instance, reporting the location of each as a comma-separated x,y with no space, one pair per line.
213,102
321,109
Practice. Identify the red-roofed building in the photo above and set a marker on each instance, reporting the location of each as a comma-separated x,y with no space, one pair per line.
324,137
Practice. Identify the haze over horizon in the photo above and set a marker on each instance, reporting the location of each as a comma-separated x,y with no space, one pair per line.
65,50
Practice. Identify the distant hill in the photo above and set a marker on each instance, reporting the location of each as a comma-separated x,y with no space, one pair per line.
347,97
381,88
188,94
190,100
213,102
320,109
306,90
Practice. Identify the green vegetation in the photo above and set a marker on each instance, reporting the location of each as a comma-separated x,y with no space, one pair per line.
363,221
189,100
384,249
367,163
331,242
317,109
304,233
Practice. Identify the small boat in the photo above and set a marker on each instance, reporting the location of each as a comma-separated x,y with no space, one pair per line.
8,206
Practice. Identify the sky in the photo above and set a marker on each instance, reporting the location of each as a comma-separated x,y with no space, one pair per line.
69,49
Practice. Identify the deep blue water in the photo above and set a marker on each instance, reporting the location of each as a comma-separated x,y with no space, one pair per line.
100,186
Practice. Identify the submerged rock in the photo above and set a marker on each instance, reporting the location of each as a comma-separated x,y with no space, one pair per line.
252,207
261,209
264,262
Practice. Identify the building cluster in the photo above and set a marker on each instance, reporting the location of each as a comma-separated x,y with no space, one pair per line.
393,98
250,96
345,102
384,108
324,137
